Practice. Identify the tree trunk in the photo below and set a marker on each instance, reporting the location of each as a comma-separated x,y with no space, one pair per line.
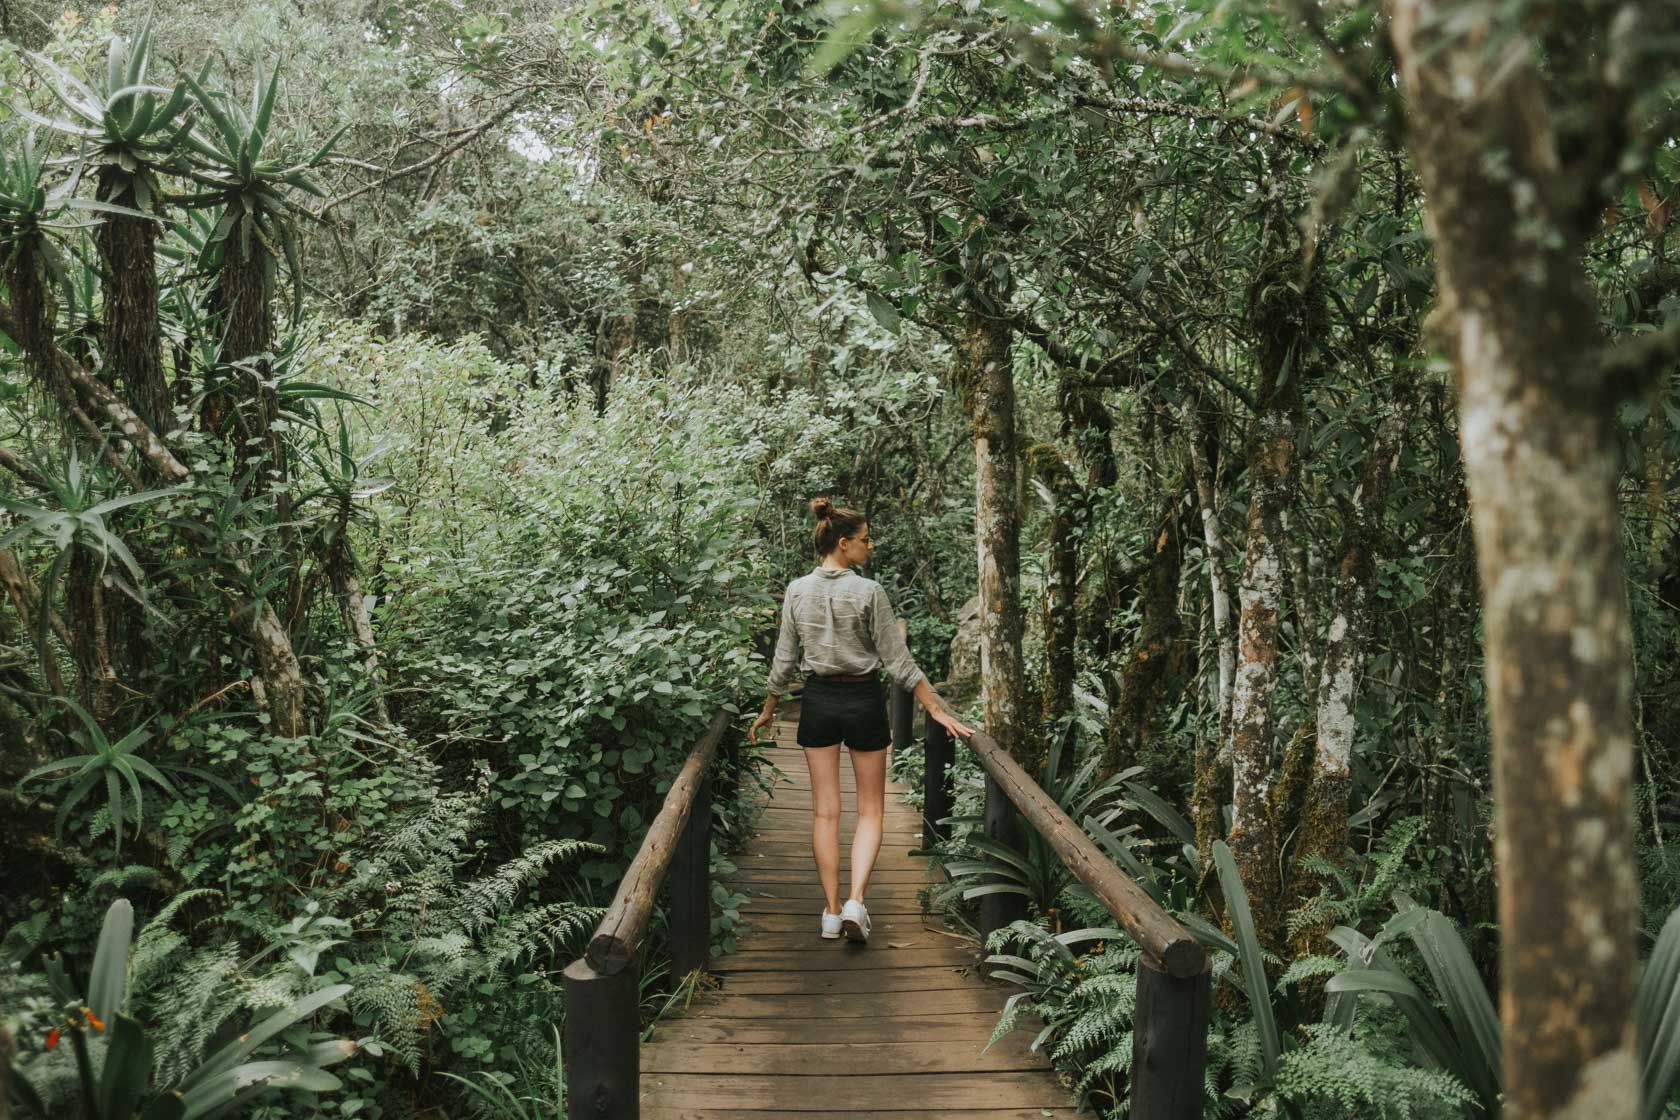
1144,677
1287,324
1204,445
132,341
356,610
1061,582
988,372
1324,828
1541,463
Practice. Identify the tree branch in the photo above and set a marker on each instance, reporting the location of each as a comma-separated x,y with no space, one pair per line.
1632,366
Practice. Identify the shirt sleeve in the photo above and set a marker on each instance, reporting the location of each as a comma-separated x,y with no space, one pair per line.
786,659
889,643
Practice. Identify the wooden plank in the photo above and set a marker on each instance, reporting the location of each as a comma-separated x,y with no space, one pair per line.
760,924
889,859
937,1092
848,1006
841,983
812,906
809,875
680,1113
828,1030
839,956
888,934
896,838
858,1059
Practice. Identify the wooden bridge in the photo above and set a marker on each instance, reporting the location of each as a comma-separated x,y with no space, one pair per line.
805,1026
802,1027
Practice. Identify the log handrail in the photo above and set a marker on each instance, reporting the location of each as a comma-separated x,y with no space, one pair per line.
619,933
1158,933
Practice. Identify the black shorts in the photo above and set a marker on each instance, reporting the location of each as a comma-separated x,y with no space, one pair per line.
851,713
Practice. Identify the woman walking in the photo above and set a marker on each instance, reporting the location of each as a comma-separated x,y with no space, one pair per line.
838,630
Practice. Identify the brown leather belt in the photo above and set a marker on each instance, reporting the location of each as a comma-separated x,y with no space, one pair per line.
865,678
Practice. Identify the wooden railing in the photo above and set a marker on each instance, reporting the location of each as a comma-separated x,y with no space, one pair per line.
601,1042
1170,1017
602,1038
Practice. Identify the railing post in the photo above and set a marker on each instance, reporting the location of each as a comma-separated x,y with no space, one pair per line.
1169,1042
602,1043
901,711
936,783
1003,824
690,881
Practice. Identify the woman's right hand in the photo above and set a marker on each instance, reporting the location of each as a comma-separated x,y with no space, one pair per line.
763,720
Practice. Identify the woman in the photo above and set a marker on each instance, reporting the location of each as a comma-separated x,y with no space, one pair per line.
838,629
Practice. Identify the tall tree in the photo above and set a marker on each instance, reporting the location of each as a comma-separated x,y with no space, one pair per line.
1515,157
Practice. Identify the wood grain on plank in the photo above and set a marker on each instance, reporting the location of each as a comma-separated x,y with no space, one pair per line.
840,1092
862,1059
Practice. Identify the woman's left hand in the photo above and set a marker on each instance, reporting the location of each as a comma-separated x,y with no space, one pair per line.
952,724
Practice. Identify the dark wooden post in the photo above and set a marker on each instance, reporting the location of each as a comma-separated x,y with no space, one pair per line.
690,882
1003,824
1169,1042
936,783
901,710
602,1041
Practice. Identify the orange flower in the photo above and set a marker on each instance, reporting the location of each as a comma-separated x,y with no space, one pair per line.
52,1038
93,1020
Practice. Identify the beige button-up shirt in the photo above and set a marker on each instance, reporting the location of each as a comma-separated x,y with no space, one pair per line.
838,623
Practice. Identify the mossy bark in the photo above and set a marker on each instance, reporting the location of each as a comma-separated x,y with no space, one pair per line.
1538,433
1145,676
988,381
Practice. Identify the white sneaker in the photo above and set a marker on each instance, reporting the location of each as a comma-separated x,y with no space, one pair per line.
830,924
854,921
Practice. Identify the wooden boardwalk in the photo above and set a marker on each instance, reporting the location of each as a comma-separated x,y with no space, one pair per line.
804,1027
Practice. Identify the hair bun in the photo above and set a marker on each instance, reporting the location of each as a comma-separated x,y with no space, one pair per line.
822,508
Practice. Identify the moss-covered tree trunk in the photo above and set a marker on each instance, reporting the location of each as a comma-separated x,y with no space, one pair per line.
1286,323
1145,676
988,373
1511,200
1323,825
1061,579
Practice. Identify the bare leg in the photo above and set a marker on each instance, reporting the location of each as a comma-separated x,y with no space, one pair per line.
824,764
870,770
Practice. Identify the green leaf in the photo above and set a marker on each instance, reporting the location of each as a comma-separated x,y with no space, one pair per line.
128,1069
108,980
1658,1019
883,311
1248,952
234,1052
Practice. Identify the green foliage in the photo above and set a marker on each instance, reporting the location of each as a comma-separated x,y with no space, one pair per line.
1336,1075
115,1072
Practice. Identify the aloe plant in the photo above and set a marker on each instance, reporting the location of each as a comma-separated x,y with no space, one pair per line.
76,519
124,121
234,163
116,766
121,1087
1037,873
128,130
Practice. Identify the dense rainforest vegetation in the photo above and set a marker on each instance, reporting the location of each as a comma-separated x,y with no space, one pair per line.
408,409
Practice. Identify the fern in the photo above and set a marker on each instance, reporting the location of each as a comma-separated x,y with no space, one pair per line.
1343,901
393,1000
187,1001
1337,1075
